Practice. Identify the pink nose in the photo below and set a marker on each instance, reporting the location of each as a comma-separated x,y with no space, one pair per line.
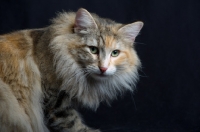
103,69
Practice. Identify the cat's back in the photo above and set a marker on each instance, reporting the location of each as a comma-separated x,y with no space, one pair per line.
16,44
17,59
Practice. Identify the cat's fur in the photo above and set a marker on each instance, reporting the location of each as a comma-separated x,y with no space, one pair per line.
45,73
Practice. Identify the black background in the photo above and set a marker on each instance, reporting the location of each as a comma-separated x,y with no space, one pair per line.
167,98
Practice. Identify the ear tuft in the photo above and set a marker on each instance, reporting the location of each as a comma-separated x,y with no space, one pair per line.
130,31
84,21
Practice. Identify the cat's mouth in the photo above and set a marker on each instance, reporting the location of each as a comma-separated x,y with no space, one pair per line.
101,75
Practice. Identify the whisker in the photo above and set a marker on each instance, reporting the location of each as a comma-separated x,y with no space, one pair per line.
139,43
132,98
140,69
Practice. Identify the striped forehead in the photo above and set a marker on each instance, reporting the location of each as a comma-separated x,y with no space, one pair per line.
108,42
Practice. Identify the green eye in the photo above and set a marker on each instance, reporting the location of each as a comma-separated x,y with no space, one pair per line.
115,53
94,50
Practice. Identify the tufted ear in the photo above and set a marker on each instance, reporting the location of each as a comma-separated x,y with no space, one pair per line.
84,22
130,31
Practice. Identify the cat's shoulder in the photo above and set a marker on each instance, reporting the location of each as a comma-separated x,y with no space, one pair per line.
19,40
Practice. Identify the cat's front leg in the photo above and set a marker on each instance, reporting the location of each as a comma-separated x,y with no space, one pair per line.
64,118
67,120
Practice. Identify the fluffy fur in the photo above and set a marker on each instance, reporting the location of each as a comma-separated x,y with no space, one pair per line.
45,72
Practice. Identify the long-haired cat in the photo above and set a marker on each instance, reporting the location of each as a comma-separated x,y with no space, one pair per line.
79,59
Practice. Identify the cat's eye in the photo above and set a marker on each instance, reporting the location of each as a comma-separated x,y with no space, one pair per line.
94,50
115,53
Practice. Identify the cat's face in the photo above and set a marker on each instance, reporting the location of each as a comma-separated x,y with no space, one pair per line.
105,48
106,54
102,56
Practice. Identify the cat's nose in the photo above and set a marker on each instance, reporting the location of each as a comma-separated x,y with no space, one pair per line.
103,69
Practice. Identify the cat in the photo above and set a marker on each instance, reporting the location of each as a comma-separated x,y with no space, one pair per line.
81,59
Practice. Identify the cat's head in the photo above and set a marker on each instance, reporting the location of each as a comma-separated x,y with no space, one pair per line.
105,48
95,55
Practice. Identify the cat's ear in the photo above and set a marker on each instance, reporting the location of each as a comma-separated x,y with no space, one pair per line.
84,22
130,31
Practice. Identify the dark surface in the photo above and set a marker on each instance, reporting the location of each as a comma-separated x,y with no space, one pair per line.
167,98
